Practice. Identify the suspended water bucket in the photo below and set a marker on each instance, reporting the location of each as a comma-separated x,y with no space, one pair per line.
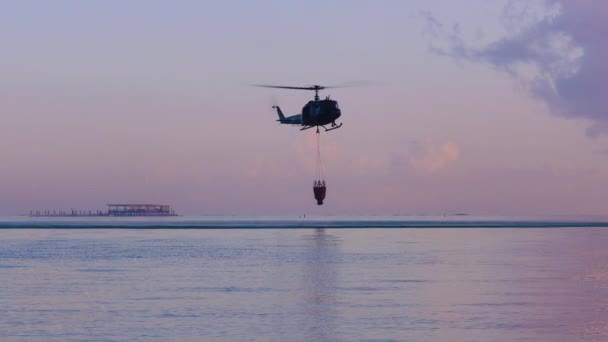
319,190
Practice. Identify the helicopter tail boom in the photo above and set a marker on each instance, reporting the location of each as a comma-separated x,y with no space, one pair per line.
289,120
279,112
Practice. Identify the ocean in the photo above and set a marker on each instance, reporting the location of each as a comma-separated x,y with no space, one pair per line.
304,279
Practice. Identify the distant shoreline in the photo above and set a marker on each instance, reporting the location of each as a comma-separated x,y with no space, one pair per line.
152,223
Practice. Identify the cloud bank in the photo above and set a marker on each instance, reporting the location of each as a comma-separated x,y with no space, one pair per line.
561,55
431,158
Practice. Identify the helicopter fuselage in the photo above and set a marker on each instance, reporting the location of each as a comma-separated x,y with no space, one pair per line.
314,113
321,112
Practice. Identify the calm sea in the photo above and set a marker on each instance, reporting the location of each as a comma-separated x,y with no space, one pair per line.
504,282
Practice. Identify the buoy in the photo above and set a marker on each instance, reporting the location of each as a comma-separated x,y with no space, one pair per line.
319,190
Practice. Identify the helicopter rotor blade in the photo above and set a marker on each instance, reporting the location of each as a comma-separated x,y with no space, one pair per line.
317,87
289,87
357,84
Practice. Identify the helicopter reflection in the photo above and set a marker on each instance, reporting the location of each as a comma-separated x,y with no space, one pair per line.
319,285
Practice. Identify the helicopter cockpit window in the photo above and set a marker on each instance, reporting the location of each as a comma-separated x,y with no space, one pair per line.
336,105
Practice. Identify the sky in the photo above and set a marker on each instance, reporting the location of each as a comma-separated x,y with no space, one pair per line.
489,108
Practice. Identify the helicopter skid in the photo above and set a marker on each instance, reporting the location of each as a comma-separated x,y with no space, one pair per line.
334,127
326,129
306,127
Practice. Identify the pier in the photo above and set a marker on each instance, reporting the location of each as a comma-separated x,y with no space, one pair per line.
135,210
140,210
62,213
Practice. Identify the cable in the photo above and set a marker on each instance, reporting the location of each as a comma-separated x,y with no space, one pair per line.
320,171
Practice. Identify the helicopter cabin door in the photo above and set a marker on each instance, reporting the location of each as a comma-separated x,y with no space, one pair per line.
307,114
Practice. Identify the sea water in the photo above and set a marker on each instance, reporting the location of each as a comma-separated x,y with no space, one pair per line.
547,283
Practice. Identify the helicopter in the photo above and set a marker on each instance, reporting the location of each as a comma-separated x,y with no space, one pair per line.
316,113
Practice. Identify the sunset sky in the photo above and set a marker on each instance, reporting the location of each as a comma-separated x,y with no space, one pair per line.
483,107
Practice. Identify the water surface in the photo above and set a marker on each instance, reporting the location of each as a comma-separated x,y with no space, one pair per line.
444,284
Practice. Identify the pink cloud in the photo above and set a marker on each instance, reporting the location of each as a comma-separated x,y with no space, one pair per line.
435,158
305,149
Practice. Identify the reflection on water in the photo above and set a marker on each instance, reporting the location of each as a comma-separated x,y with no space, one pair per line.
319,282
305,285
586,263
